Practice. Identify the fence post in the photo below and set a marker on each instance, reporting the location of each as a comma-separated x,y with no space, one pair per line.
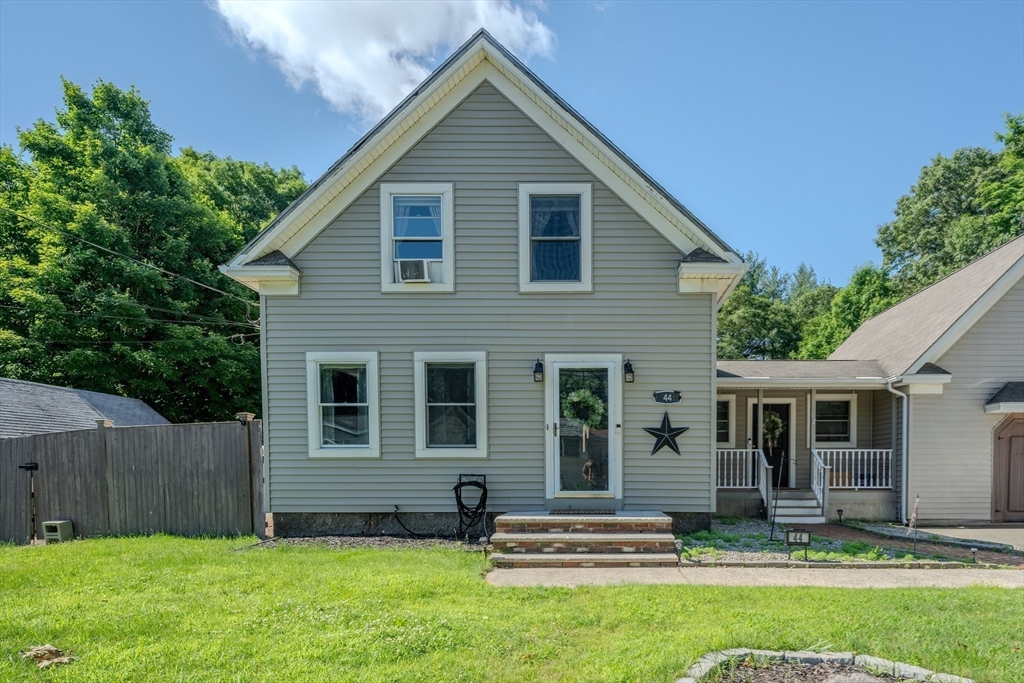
105,484
255,451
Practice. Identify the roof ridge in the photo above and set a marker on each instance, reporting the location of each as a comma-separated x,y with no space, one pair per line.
949,275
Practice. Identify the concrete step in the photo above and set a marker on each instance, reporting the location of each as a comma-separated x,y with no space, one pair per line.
796,520
798,503
537,560
795,495
620,522
585,542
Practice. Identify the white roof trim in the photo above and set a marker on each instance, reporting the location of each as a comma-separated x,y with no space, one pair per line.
928,378
970,317
483,62
266,279
1005,407
800,383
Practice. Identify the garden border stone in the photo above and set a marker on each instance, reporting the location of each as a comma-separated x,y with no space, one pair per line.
710,661
794,564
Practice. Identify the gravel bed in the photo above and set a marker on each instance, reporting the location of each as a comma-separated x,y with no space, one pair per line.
376,542
899,531
799,673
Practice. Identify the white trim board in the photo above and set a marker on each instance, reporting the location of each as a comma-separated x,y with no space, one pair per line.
481,63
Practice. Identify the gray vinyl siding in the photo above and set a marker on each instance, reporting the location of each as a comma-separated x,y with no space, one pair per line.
800,426
486,147
950,434
881,419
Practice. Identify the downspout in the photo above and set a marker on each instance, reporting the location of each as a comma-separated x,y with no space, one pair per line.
903,447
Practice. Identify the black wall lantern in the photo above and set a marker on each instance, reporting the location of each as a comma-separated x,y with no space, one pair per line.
627,373
538,371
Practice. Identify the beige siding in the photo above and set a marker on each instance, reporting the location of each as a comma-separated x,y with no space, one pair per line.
950,434
485,147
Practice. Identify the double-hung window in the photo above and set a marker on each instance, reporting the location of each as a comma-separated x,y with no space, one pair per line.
835,421
725,421
343,407
417,237
555,237
450,392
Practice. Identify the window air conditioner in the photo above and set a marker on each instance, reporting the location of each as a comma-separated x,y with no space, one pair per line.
413,271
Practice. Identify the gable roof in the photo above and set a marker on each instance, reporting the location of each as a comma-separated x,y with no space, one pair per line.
28,408
923,327
480,58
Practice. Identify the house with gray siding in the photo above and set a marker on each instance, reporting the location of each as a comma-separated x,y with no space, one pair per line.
922,406
485,285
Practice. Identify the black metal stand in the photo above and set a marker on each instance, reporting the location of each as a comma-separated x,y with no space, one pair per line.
31,468
469,517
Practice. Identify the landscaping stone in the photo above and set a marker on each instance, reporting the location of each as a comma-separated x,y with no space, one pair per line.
875,664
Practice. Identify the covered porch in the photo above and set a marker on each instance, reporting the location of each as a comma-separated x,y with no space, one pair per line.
806,439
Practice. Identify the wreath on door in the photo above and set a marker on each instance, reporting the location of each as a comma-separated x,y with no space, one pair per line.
583,409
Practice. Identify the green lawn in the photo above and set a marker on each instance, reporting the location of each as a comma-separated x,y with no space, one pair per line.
168,609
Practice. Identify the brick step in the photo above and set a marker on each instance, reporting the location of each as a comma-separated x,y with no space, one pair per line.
537,560
620,522
585,542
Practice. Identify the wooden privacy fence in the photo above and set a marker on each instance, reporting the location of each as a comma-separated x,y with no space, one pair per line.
183,479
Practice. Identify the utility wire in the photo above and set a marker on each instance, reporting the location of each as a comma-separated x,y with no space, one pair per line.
121,317
117,253
139,341
96,295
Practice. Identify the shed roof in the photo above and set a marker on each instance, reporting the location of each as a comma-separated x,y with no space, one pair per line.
799,372
902,335
28,408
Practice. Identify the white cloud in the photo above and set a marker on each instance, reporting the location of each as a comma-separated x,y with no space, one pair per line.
364,57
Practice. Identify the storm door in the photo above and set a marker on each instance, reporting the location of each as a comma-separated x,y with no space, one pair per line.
583,426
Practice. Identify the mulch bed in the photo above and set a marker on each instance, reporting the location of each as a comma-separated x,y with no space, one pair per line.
791,672
375,542
845,533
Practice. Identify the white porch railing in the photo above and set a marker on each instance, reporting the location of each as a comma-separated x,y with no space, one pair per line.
820,480
858,468
764,481
737,468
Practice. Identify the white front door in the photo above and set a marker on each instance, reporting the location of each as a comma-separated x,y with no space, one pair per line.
584,426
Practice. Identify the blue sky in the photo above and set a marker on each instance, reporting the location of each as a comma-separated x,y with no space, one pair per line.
789,128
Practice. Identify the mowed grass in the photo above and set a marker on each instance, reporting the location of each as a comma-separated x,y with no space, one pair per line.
171,609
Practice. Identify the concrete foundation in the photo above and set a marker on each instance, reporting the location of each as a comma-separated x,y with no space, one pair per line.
689,522
439,524
868,505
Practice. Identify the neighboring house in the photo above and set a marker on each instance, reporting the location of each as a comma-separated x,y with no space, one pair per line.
481,232
484,284
28,408
945,367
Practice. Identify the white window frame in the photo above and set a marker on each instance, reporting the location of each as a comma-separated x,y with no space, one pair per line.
420,359
315,359
731,400
585,191
813,416
387,242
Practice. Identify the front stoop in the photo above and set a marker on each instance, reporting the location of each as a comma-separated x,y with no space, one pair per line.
625,539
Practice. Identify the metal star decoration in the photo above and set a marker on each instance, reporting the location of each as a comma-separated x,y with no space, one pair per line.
666,435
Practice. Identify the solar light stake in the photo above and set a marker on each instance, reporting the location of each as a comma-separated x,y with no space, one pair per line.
974,554
840,511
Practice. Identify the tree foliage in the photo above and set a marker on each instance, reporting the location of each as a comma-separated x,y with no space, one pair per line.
961,207
72,314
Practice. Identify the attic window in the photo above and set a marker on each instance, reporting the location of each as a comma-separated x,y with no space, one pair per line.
555,235
417,237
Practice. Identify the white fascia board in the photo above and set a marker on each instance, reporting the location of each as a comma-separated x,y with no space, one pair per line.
973,315
267,280
719,279
926,379
430,107
801,383
1005,407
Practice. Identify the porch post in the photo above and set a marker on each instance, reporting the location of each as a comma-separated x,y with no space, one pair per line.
759,427
812,410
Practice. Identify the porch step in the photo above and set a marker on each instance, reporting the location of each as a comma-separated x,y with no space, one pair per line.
795,495
538,560
791,520
583,542
798,502
620,522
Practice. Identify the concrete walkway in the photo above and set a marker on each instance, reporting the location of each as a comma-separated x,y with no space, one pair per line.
1007,536
743,576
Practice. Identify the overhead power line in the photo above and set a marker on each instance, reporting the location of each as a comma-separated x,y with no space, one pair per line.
238,338
122,317
117,253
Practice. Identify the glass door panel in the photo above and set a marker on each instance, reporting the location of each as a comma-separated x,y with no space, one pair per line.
582,439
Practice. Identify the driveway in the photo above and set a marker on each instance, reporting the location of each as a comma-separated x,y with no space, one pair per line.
1007,536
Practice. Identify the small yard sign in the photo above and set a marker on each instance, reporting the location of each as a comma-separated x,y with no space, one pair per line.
797,537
